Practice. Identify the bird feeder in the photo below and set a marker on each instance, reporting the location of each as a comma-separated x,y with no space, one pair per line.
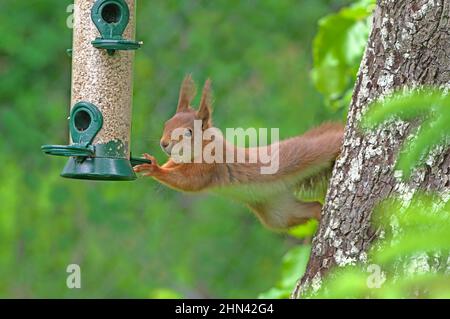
102,68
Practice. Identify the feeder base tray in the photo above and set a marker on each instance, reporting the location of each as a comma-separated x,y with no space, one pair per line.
99,168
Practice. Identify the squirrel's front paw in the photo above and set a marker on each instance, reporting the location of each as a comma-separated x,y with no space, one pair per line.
147,169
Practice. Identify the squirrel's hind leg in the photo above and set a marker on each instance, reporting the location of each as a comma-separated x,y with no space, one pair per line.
285,211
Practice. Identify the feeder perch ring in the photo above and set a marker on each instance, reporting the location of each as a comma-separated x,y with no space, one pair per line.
69,150
85,122
111,17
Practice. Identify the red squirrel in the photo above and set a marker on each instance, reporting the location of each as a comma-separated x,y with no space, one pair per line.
304,162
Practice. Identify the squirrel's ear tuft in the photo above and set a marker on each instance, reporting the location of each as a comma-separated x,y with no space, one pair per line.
205,109
187,93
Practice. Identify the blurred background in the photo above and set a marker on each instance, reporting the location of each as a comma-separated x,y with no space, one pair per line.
140,239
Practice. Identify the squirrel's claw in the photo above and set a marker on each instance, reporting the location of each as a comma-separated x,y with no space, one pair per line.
147,169
150,158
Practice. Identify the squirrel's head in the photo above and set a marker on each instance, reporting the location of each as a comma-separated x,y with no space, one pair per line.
188,121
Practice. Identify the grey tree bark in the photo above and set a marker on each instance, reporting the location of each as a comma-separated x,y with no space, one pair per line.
409,45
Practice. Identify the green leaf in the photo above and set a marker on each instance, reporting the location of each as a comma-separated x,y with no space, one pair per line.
434,132
293,266
404,104
337,50
420,229
431,105
164,293
307,229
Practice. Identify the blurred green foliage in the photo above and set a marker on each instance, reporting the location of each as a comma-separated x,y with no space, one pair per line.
140,239
338,49
431,106
294,263
409,261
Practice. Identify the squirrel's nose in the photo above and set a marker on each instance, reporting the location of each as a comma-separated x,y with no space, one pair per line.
164,144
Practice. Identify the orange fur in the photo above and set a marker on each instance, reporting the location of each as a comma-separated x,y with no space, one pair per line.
270,196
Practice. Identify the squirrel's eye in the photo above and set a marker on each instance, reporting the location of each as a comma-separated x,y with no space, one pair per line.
188,132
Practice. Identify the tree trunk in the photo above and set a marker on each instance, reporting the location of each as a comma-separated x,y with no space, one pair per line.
409,46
